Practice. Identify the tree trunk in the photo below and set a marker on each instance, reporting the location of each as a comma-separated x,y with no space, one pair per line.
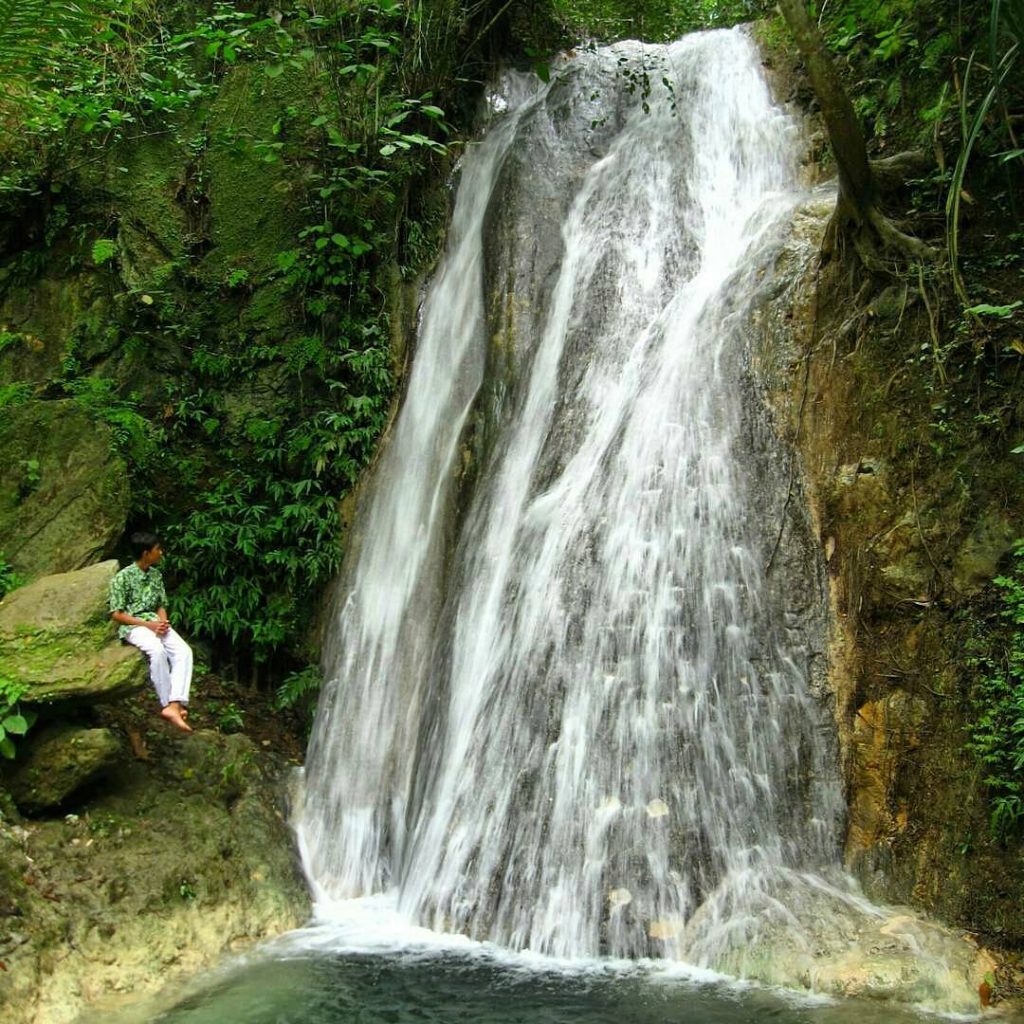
857,211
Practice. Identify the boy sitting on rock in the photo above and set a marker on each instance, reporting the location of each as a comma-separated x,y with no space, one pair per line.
137,600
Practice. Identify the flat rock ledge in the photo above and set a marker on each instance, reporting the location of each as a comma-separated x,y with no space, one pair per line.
56,639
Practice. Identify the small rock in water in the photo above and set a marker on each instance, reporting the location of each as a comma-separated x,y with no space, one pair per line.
611,805
657,809
620,897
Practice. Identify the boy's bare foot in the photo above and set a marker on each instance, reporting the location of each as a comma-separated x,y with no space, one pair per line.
172,714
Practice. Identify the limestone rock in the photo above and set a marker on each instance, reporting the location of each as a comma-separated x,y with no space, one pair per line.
832,941
175,861
977,560
63,492
57,639
58,762
883,730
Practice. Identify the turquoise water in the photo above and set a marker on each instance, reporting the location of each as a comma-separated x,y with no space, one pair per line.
452,988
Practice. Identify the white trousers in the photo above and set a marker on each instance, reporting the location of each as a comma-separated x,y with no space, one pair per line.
170,663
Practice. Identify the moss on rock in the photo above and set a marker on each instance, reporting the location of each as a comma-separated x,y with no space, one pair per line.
58,762
57,640
63,492
254,202
184,856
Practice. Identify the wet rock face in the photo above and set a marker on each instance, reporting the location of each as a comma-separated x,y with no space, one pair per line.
180,858
57,639
978,559
908,547
63,494
58,763
881,730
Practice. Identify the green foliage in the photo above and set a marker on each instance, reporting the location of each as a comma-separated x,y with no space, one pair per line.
298,693
30,477
1003,312
230,717
901,52
996,658
13,720
35,33
103,251
883,32
651,21
102,825
9,579
1002,73
14,394
299,688
945,80
132,434
257,533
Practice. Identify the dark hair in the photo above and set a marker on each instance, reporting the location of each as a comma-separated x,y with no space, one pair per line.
142,542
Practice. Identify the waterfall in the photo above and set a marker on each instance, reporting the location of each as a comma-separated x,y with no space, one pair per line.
573,696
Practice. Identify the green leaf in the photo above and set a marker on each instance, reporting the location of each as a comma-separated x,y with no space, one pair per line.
340,240
7,748
287,259
15,724
103,251
230,54
984,309
274,70
388,150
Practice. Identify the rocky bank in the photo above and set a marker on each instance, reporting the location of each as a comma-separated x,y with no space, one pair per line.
130,855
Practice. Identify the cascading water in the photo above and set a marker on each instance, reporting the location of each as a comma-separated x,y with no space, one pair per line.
571,701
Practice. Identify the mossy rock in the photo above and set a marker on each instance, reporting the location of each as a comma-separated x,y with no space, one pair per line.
40,320
978,559
59,762
145,177
63,492
254,205
56,638
173,861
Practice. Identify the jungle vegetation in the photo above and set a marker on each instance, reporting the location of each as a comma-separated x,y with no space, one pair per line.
247,382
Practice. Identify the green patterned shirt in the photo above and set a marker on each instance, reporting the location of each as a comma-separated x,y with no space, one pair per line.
138,593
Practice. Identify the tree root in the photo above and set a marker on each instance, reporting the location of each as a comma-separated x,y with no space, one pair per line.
893,238
879,244
891,172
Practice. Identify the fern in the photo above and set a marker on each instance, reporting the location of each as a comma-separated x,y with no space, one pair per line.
35,33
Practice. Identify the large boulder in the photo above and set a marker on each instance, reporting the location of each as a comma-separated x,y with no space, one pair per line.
56,638
60,761
63,491
174,861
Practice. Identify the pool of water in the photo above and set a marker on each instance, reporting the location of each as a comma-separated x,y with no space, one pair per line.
448,988
326,974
